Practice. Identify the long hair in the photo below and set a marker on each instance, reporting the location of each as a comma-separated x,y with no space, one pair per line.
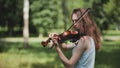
88,26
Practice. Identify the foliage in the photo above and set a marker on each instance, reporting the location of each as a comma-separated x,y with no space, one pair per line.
50,15
46,15
106,12
10,16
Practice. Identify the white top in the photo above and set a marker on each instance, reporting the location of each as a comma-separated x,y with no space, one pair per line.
88,57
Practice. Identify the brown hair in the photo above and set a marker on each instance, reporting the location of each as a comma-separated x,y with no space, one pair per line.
89,26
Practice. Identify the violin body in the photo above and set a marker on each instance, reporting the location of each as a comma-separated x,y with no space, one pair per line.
72,36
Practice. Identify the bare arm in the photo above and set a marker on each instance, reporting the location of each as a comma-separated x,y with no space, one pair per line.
68,63
68,46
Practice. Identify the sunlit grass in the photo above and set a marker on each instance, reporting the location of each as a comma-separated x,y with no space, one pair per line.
21,39
13,55
35,56
112,32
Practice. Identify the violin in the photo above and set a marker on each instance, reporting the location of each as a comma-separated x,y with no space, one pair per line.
67,35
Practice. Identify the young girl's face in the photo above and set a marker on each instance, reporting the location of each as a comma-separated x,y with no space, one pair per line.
75,21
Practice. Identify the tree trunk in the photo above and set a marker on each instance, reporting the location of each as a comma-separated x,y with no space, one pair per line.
65,13
26,22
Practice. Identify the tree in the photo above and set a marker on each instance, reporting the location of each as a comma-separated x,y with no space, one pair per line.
11,17
106,13
46,15
65,13
26,22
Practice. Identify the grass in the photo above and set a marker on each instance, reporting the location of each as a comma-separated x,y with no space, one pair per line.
109,55
112,32
13,55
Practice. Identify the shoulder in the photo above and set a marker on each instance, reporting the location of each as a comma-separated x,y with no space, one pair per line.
84,39
83,42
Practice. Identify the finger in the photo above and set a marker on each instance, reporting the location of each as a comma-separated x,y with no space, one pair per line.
51,44
54,41
50,35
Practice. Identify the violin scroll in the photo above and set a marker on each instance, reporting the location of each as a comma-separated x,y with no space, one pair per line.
45,43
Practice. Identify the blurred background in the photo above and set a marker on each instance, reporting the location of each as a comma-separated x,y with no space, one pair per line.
25,23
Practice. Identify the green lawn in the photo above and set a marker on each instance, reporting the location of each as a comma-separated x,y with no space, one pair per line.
12,55
112,32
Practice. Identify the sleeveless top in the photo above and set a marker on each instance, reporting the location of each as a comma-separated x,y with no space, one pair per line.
87,58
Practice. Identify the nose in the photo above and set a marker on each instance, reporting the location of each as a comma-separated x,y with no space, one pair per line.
74,21
75,25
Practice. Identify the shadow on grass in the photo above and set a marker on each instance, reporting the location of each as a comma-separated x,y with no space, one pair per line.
5,46
33,47
109,59
38,65
48,65
41,65
109,56
37,50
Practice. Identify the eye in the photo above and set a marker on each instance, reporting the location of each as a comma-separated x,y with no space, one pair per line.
74,20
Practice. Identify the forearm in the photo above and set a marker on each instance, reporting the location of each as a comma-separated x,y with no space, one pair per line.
64,60
67,46
64,46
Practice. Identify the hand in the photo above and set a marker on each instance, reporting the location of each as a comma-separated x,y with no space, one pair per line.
52,35
51,44
55,42
54,39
